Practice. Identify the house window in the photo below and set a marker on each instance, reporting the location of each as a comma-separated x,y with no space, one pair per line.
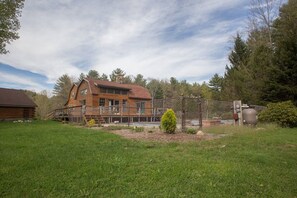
84,92
140,107
124,92
102,102
110,91
72,94
113,91
125,106
117,91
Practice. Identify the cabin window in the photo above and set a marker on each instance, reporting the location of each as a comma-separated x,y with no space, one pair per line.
72,94
102,102
84,92
140,107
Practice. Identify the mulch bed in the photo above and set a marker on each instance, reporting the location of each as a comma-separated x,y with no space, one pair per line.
164,137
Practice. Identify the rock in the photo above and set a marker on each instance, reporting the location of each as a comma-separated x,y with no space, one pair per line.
200,133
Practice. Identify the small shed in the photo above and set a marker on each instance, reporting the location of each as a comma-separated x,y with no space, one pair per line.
15,105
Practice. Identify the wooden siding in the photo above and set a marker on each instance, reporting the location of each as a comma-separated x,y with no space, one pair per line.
93,96
15,113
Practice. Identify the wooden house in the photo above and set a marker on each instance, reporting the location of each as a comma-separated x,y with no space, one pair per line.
15,105
109,99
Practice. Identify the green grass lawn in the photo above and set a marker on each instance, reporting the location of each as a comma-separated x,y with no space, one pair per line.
49,159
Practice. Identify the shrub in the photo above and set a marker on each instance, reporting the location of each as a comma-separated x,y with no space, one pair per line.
191,131
282,113
91,123
168,121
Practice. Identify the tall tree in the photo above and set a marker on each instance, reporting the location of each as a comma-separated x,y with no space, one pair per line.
237,77
10,11
62,88
81,77
215,84
261,17
93,74
116,74
139,80
104,77
282,84
155,88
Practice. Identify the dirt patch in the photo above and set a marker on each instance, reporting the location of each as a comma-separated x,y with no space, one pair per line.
163,137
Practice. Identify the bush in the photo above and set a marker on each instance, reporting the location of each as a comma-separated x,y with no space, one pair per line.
168,121
91,123
191,131
282,113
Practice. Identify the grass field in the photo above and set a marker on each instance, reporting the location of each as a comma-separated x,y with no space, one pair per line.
49,159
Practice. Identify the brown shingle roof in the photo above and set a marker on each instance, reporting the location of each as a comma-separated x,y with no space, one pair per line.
135,91
15,98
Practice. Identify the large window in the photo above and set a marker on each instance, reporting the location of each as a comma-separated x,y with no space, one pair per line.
125,105
102,102
140,107
114,91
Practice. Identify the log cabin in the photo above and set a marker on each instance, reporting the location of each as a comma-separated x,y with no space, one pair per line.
109,99
15,105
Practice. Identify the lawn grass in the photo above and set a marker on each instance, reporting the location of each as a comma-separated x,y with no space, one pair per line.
50,159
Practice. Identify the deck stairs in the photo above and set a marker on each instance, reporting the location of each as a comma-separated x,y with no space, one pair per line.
99,120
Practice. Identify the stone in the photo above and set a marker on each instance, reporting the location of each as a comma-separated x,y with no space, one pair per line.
200,133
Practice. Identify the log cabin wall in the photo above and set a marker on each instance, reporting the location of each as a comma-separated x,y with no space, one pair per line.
16,113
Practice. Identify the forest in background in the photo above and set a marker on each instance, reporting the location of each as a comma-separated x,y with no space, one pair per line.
262,68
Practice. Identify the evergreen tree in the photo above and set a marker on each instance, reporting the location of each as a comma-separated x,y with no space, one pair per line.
117,73
215,84
81,77
104,77
282,83
61,89
139,80
93,74
237,76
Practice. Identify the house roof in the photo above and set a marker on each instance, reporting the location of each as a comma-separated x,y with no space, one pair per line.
15,98
135,91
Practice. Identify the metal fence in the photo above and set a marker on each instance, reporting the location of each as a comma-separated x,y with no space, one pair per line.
190,112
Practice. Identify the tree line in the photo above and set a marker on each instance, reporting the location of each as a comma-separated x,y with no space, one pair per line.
262,68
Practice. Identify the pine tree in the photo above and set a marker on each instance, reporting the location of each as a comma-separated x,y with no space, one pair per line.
282,83
61,89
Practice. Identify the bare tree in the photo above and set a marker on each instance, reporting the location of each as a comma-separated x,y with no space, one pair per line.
262,14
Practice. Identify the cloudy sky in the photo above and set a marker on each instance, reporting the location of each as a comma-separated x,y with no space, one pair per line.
186,39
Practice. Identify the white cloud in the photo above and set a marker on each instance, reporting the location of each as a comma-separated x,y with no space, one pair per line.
155,38
17,80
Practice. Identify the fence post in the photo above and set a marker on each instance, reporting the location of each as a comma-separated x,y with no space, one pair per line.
200,113
183,115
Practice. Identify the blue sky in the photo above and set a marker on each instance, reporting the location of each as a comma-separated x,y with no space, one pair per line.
189,40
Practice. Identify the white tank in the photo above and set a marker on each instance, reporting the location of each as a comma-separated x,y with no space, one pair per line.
249,116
